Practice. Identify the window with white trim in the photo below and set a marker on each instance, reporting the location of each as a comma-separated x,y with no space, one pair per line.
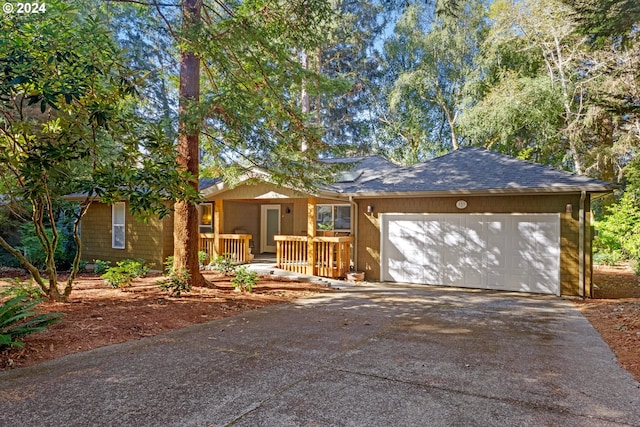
118,213
205,213
333,217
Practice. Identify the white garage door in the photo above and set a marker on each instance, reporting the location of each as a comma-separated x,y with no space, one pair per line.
515,252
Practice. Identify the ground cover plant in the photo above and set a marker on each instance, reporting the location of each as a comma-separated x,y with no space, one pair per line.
97,314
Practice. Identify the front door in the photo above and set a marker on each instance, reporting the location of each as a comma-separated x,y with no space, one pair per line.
269,227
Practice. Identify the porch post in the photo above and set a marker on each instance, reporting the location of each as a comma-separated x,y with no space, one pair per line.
311,233
217,225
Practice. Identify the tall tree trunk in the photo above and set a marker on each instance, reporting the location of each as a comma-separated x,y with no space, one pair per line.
304,95
185,236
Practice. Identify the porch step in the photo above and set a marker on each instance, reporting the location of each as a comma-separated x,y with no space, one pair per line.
268,269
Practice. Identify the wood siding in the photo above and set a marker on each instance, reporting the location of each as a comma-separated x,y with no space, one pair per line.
368,241
148,241
257,191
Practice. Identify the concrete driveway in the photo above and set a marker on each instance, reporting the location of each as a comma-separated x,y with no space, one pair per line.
367,356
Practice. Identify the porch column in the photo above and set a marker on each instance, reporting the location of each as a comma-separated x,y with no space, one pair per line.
217,225
311,233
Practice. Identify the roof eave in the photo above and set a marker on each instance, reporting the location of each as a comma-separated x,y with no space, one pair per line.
504,191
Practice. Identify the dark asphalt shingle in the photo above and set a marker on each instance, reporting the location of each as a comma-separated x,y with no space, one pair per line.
471,169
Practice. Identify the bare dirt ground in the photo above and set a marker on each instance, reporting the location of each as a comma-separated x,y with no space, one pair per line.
615,313
98,315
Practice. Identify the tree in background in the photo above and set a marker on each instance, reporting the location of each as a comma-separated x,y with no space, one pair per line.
619,229
150,50
349,55
430,62
613,117
67,124
548,96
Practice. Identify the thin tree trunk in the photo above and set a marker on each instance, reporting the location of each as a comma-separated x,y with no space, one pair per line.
305,104
185,234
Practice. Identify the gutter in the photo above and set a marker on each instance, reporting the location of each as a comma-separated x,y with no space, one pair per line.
505,191
581,246
355,232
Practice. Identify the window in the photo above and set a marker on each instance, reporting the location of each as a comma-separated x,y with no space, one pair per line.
333,217
118,214
205,211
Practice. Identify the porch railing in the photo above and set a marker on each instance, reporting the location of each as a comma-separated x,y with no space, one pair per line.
332,255
235,246
291,253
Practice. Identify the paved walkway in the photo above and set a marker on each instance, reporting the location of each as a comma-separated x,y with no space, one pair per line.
364,356
268,268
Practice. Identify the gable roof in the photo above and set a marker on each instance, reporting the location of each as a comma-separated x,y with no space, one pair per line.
471,170
468,170
364,170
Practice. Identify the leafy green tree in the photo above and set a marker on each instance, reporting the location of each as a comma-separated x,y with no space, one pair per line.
619,230
247,110
603,19
548,96
432,60
67,124
150,50
545,30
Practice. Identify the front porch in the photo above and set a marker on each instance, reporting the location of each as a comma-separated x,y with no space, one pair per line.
252,220
317,256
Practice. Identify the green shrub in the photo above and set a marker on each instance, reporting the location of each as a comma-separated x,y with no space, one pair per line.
176,283
124,272
635,265
203,257
18,319
33,251
224,264
608,257
138,267
101,266
244,280
168,265
620,228
19,288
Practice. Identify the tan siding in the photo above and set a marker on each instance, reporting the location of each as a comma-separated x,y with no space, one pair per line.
248,191
167,237
286,224
245,216
299,227
369,228
142,240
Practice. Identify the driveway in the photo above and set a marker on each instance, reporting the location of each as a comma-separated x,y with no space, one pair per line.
367,356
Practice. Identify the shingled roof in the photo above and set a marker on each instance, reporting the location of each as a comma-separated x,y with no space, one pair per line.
470,170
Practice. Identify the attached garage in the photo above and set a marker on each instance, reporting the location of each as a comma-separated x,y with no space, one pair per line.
514,252
476,219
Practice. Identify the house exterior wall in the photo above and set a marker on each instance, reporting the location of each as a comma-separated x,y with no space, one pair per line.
242,210
257,191
368,240
148,241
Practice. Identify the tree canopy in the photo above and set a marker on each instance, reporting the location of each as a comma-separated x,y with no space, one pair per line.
67,124
93,100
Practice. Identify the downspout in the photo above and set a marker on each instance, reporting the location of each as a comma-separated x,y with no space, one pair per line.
355,232
581,245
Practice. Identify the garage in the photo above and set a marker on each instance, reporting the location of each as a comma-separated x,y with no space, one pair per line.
512,252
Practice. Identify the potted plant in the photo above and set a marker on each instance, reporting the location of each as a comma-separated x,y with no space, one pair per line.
327,229
355,276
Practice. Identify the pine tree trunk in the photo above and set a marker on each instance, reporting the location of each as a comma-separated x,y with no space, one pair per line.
185,236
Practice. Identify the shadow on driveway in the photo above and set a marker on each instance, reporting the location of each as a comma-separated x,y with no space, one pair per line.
366,356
